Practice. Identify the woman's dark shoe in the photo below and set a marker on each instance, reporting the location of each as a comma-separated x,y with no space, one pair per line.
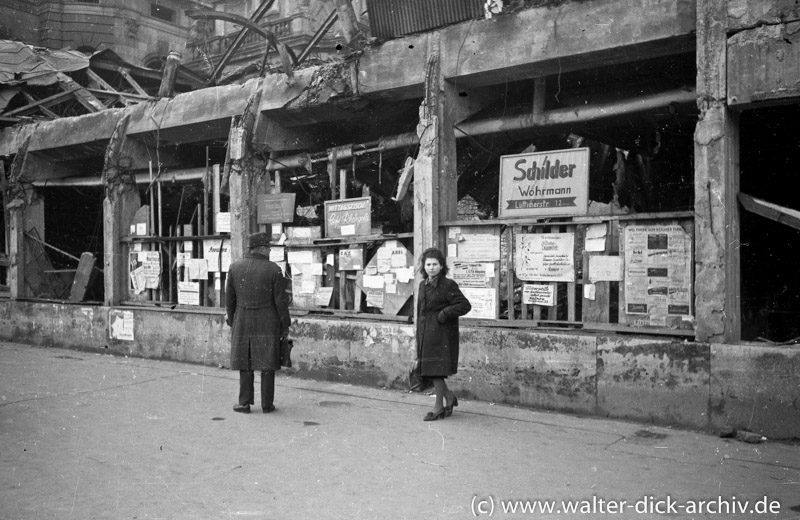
268,409
241,408
448,410
431,416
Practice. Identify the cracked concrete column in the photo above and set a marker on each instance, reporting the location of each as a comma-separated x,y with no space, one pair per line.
435,176
716,185
120,204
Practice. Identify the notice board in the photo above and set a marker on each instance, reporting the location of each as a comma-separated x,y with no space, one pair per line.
658,275
473,256
388,278
348,217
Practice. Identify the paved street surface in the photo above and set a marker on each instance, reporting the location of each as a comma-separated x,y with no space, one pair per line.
94,436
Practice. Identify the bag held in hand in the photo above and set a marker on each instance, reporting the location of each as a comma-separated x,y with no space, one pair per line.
286,352
416,382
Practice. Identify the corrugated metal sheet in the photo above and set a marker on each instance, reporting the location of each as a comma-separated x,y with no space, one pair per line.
392,18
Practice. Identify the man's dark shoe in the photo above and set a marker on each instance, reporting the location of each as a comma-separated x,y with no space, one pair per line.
268,409
241,408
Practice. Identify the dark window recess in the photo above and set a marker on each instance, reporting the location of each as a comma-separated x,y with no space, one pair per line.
164,13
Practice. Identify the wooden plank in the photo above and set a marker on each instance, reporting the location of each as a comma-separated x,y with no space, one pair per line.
100,82
84,97
597,310
661,331
47,102
781,214
132,82
46,111
83,278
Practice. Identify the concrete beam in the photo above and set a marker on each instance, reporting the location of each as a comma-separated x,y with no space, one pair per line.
764,66
184,118
533,43
748,14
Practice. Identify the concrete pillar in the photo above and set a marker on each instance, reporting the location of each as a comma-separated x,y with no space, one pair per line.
243,172
717,263
119,207
243,208
24,215
435,176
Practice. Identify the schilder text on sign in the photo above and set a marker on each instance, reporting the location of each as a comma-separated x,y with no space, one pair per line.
544,184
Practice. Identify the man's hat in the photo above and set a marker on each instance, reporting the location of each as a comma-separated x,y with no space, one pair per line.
258,240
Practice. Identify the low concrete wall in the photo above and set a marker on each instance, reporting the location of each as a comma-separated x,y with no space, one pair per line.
653,380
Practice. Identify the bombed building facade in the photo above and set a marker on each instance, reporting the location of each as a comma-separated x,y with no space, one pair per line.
611,184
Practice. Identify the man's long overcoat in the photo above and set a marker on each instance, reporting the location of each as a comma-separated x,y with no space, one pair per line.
439,305
258,310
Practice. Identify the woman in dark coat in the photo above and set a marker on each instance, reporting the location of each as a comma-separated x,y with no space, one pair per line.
439,304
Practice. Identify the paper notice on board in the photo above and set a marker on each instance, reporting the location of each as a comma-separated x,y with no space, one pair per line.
348,229
483,301
138,280
277,254
452,250
405,275
479,247
453,232
329,259
120,325
391,288
595,244
300,257
315,269
189,293
589,291
223,222
198,268
308,286
398,259
545,257
658,272
605,268
384,264
375,298
373,281
538,294
322,298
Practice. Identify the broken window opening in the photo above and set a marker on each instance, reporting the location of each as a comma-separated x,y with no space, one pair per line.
336,270
770,280
178,245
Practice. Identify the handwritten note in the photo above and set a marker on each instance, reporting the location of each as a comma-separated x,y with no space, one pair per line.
538,294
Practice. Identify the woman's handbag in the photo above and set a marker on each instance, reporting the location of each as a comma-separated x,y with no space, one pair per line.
417,382
286,352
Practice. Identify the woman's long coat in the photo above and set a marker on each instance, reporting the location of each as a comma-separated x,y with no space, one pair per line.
258,310
439,305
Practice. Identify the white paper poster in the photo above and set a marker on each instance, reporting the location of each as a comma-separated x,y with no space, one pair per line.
218,255
322,298
120,325
545,257
538,294
605,268
300,257
189,293
658,272
483,301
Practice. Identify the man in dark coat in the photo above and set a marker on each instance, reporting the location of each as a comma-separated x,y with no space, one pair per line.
258,310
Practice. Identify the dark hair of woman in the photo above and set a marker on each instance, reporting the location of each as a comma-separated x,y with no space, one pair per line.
436,255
